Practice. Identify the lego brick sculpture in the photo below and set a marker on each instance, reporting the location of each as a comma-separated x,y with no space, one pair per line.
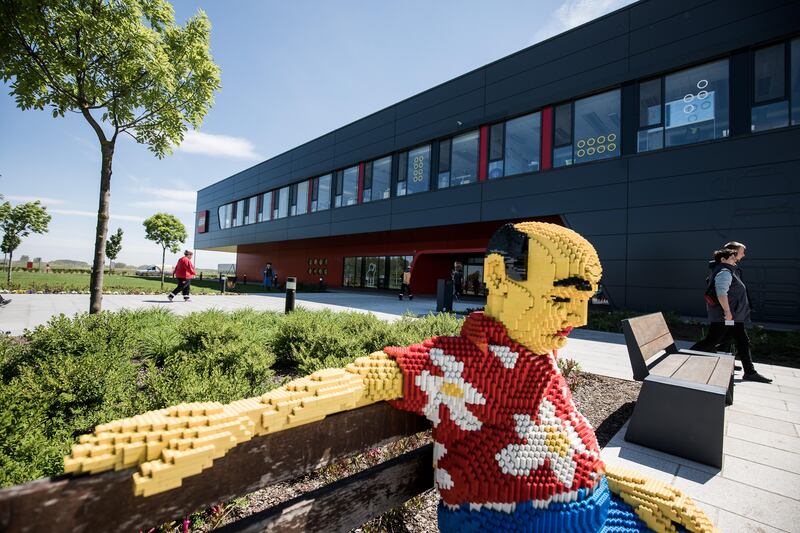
511,450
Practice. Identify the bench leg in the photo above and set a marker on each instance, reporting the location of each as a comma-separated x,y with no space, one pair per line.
680,420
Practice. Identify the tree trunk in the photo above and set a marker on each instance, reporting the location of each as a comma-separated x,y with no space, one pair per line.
163,255
96,284
8,279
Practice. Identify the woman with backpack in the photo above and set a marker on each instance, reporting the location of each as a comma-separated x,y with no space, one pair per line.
728,310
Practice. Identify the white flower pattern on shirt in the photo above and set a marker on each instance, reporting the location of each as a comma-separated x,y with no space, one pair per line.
451,390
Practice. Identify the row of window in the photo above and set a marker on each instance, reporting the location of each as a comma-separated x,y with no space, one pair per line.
382,272
684,107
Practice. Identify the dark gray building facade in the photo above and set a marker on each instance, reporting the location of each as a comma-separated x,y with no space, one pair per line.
659,132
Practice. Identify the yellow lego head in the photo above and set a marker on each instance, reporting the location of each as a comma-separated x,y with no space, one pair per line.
540,277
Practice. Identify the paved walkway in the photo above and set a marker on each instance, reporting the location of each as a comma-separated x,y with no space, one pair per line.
757,490
31,310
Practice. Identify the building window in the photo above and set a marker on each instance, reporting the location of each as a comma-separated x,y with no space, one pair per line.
224,213
266,207
281,203
562,136
381,272
770,104
458,160
692,107
321,193
298,198
414,171
515,146
651,125
251,206
794,75
587,130
377,179
238,213
346,187
596,128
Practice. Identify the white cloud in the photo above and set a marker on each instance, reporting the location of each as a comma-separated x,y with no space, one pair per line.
93,214
169,200
572,13
195,142
44,200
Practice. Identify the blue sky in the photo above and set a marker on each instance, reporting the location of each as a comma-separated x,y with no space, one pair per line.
291,71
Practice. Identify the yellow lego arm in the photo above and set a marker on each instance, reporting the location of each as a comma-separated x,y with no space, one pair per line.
656,503
180,441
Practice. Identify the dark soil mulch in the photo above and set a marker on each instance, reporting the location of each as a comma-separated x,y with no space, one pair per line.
606,402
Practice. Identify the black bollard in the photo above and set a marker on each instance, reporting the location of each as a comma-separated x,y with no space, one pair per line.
291,285
222,281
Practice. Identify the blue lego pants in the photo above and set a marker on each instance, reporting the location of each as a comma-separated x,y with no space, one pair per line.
602,512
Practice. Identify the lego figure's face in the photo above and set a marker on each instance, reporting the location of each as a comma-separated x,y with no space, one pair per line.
540,309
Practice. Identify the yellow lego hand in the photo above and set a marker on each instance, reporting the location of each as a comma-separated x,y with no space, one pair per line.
180,441
657,504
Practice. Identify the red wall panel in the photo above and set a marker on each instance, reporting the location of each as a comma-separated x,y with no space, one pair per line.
431,249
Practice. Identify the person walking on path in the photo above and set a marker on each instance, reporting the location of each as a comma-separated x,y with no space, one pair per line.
728,311
268,275
405,286
458,281
184,272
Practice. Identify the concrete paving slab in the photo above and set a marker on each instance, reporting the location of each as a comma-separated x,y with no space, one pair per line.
762,476
761,422
736,523
782,414
757,504
762,454
759,436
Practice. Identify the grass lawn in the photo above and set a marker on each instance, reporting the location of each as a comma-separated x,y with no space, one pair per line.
124,284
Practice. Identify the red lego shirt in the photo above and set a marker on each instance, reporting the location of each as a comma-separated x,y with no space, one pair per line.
505,427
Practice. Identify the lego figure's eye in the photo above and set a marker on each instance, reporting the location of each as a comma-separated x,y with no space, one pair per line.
560,299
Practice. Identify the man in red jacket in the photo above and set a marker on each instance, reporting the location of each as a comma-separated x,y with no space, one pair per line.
184,272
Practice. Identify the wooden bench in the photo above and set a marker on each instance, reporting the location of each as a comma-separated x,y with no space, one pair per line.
105,502
681,407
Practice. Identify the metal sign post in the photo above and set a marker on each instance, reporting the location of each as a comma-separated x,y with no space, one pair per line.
291,286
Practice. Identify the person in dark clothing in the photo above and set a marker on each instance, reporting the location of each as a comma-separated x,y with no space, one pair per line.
739,248
458,281
728,310
269,274
405,286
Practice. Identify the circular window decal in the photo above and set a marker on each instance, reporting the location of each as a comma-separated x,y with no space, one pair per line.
705,105
590,151
688,98
612,147
691,108
702,84
309,271
580,153
581,143
692,118
601,139
590,141
601,149
324,271
612,137
325,261
702,95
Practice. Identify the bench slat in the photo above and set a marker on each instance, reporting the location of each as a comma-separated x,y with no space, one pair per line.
350,502
652,347
669,365
649,327
697,369
721,376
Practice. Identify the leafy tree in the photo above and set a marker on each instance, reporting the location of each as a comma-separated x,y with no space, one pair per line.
124,66
167,231
24,259
18,222
114,246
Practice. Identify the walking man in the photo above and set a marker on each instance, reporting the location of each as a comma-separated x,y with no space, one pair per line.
184,272
405,286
